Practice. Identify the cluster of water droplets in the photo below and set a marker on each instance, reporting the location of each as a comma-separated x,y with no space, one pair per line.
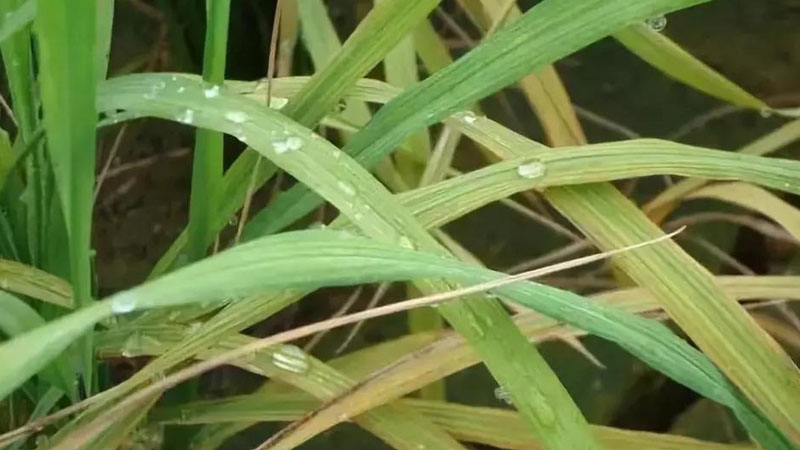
288,143
211,91
186,116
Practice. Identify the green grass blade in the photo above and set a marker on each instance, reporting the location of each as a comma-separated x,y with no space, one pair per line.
659,207
718,325
19,318
105,21
34,283
27,218
335,259
521,47
668,57
449,357
29,353
207,160
392,19
755,199
18,18
361,197
496,427
66,36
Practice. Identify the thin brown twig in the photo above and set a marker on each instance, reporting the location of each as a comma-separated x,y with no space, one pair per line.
112,153
9,111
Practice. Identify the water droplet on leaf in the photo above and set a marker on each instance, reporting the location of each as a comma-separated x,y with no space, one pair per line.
657,23
291,358
124,302
212,91
236,116
531,170
346,188
290,144
187,116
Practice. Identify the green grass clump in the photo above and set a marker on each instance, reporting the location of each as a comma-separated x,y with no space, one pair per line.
365,147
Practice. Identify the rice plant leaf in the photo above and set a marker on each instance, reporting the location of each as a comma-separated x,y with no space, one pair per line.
668,57
66,36
160,106
35,283
521,47
755,199
27,354
334,259
714,325
322,166
439,361
495,427
660,207
105,21
392,19
26,218
207,159
16,20
543,88
18,318
398,426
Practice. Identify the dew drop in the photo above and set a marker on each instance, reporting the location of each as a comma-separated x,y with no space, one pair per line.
181,89
212,91
291,359
124,302
469,117
343,417
358,216
233,221
531,170
337,153
187,116
173,78
346,188
236,116
766,112
657,23
290,144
